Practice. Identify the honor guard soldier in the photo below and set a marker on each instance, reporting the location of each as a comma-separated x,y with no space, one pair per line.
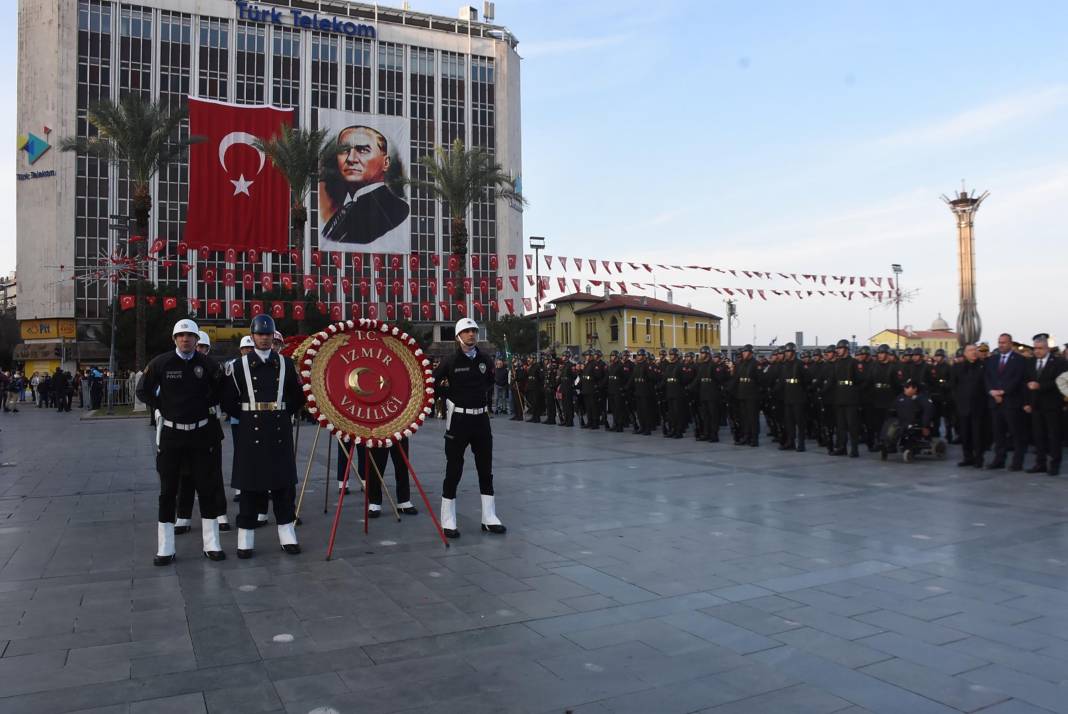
793,378
535,382
263,388
567,376
592,376
706,388
180,388
643,385
846,400
519,386
550,381
747,391
675,400
617,403
467,423
939,393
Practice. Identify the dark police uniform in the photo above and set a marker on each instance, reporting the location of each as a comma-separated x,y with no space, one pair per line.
746,388
793,383
643,384
617,403
183,391
567,374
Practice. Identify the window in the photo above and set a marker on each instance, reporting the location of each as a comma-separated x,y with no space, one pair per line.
251,63
662,333
565,328
214,58
633,328
613,330
285,84
685,332
357,75
648,327
324,70
390,78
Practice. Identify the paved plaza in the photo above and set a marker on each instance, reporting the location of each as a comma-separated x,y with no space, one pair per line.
639,574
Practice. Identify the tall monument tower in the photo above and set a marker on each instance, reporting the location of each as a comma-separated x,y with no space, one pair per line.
964,207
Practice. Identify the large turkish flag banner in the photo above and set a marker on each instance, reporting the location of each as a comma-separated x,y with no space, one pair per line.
237,198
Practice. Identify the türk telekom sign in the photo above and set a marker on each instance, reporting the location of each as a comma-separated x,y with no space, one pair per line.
302,20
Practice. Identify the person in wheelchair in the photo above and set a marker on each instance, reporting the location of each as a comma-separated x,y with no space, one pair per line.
913,412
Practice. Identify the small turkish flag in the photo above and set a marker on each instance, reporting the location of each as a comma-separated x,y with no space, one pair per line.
157,246
169,303
413,262
256,307
231,255
511,261
321,306
365,288
380,287
413,287
454,263
435,260
425,309
237,310
298,311
127,301
278,310
248,280
467,285
372,311
183,247
287,281
450,286
346,284
478,307
195,304
357,311
295,256
396,287
228,278
406,310
391,311
357,262
433,283
394,262
150,299
335,312
204,252
214,307
253,255
461,309
267,281
309,283
317,258
493,262
500,283
510,304
444,305
526,303
483,285
476,262
335,258
514,280
186,267
328,284
376,261
493,305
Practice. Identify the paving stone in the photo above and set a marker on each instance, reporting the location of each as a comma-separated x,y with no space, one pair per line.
940,659
798,699
182,704
910,627
848,653
952,691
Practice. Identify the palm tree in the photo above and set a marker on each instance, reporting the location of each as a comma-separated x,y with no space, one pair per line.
144,137
458,177
299,155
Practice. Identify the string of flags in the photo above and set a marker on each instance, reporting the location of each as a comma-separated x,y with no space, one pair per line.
623,286
298,310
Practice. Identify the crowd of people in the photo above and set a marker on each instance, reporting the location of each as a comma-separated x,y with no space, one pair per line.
55,390
1005,400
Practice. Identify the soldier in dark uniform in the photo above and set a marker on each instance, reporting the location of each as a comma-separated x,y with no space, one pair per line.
602,390
589,388
535,396
846,401
938,392
828,418
880,389
180,388
746,389
705,389
614,387
642,384
915,369
264,389
550,381
687,375
674,400
629,407
519,386
793,381
566,375
864,364
771,396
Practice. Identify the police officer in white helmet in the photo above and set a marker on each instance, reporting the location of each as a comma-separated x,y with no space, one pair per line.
181,387
469,373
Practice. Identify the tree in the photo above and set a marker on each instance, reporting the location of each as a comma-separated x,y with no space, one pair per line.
143,137
514,332
458,177
298,154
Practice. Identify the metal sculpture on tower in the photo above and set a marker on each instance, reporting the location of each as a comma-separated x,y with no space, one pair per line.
964,207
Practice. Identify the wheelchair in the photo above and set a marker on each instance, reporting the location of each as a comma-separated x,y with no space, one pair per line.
909,442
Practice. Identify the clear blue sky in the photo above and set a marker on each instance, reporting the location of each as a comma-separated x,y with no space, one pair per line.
794,137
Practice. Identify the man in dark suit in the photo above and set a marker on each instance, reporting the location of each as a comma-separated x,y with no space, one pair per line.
968,390
366,208
1005,377
1045,404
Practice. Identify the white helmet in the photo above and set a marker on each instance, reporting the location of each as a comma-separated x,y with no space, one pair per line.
203,339
246,341
278,336
465,323
186,325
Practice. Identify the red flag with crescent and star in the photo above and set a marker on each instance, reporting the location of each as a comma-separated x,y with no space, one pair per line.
237,198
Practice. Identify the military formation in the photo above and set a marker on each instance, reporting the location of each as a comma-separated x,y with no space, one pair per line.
838,399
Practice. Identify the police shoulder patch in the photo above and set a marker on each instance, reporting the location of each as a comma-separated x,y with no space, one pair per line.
198,371
482,367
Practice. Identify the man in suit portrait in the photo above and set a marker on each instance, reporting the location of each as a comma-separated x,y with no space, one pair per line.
1005,377
1045,405
355,202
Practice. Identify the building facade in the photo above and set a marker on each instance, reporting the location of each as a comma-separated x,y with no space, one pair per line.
939,337
582,321
451,79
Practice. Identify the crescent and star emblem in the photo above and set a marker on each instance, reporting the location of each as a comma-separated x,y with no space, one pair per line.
241,185
354,382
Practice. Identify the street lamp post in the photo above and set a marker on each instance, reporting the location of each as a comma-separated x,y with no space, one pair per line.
896,267
537,243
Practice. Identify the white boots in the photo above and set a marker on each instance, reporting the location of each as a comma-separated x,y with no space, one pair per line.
224,522
209,528
448,517
287,538
165,548
246,542
182,525
490,522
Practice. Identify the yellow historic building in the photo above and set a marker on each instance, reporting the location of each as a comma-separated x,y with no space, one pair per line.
583,321
939,337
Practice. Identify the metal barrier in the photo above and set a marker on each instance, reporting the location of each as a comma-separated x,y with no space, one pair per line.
107,391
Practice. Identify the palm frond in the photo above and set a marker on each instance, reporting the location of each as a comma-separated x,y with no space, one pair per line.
298,154
459,176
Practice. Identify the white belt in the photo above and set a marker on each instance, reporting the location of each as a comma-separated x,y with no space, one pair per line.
263,407
184,427
461,410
